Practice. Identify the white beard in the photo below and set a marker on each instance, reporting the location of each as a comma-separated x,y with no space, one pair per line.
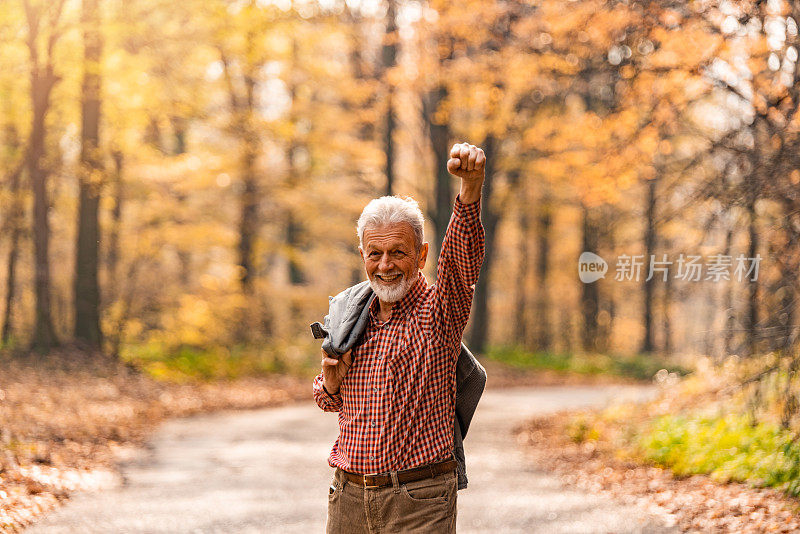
391,293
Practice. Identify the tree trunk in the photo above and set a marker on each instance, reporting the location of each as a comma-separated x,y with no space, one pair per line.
439,132
389,62
479,332
590,295
152,135
42,81
665,312
786,338
440,137
179,125
116,224
565,330
293,226
248,202
727,302
751,321
606,307
115,293
255,319
520,334
543,336
648,344
14,224
11,269
86,289
242,110
359,64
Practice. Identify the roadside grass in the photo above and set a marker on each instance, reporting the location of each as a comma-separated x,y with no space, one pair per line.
711,423
187,363
584,453
637,366
727,448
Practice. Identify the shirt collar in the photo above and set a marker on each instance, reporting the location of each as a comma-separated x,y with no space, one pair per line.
407,302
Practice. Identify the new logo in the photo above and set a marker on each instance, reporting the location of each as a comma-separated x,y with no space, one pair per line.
591,267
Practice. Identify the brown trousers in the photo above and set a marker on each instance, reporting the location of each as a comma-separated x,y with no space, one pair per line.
422,506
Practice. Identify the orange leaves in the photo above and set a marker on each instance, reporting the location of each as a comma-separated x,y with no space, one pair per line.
600,156
685,47
647,141
670,18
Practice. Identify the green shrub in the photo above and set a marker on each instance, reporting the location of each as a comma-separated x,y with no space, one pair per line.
188,362
726,448
639,366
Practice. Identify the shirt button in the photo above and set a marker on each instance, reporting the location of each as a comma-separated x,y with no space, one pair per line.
372,424
375,389
371,457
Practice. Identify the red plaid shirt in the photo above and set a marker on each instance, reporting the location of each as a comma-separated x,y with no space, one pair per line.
397,402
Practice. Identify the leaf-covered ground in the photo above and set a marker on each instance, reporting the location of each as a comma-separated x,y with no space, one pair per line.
64,420
695,504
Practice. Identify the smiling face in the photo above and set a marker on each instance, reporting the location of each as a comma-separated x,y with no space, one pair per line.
392,260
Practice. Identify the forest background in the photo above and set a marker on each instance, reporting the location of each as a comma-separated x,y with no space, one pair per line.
179,181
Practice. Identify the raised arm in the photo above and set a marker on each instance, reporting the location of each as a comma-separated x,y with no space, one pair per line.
462,247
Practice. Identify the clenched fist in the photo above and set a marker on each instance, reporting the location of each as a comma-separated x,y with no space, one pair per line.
467,162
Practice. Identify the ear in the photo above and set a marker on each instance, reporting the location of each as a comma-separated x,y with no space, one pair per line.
361,251
423,255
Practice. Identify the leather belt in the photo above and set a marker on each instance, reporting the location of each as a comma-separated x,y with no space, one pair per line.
381,480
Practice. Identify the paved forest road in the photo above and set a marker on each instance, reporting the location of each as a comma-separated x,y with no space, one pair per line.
266,471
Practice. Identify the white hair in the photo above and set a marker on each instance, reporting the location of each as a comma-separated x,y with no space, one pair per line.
392,210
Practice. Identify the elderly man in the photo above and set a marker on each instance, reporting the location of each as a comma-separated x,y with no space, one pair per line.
395,392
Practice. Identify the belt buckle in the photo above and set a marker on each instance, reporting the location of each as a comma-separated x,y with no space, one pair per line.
368,486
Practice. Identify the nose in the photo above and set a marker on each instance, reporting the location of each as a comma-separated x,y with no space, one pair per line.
385,263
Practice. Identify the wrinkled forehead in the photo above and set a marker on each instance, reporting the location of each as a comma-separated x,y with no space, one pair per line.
388,236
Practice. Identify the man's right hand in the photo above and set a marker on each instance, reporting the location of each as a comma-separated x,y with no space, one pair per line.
468,162
334,371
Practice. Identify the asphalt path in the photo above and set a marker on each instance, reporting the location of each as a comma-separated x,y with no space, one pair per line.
266,471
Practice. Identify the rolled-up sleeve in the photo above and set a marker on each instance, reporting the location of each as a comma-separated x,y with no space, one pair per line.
457,271
328,402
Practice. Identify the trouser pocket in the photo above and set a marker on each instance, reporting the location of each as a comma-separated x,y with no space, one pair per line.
433,490
426,506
